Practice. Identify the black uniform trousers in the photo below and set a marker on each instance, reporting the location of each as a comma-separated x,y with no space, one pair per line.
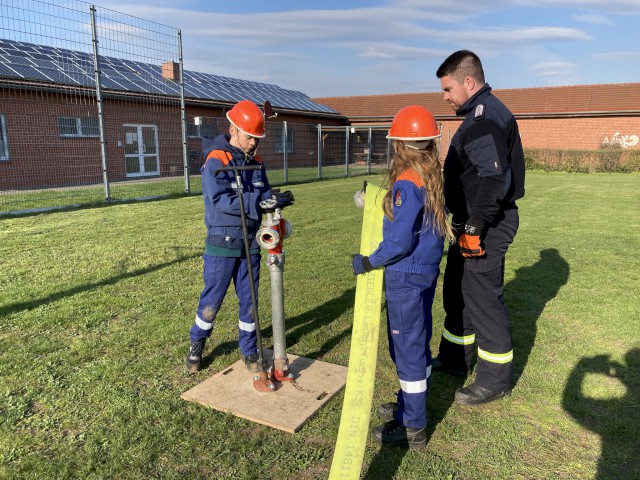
477,320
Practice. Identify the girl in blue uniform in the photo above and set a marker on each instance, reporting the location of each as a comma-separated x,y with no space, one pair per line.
414,229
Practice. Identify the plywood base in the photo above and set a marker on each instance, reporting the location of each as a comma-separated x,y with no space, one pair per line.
288,408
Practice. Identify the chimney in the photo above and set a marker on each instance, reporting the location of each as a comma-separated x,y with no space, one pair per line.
171,71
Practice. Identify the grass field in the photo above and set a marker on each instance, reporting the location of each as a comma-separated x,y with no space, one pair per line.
96,304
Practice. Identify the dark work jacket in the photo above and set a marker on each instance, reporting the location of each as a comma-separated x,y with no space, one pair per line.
484,167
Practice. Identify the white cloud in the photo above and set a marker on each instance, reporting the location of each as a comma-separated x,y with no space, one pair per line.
553,69
617,56
593,19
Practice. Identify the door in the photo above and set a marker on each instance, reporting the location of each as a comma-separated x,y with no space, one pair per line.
141,150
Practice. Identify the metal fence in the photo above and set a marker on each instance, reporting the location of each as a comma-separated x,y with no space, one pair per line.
57,144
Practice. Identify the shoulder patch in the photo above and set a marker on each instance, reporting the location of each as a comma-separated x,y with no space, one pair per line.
399,199
478,114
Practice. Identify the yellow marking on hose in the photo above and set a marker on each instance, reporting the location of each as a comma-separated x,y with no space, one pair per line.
356,409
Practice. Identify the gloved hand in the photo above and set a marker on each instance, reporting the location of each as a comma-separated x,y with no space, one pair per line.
469,242
361,264
283,199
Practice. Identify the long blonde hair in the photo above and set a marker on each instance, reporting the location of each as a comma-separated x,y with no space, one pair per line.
426,164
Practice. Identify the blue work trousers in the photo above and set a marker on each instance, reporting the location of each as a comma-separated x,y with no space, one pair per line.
218,273
409,298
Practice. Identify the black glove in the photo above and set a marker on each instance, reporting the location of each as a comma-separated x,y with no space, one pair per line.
283,199
361,264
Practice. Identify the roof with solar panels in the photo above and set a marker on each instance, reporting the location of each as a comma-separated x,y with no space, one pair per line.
26,62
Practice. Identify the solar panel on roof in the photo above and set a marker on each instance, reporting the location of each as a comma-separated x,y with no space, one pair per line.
41,62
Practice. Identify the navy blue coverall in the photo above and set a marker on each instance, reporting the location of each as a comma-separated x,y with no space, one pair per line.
224,256
410,253
484,176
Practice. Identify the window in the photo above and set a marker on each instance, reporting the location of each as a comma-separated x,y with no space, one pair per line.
279,140
4,145
202,130
78,126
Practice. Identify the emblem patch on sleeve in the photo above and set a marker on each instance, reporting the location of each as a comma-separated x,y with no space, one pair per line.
399,200
479,113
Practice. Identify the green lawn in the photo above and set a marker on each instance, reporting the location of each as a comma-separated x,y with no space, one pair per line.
96,304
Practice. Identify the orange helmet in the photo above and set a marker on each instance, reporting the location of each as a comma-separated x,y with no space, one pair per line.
248,118
414,125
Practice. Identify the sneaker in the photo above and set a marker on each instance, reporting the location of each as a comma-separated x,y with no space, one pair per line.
387,411
195,355
393,434
252,362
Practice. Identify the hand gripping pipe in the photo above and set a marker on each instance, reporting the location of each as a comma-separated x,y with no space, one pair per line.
271,235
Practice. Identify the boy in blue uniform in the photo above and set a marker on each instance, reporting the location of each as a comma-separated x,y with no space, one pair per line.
224,256
414,228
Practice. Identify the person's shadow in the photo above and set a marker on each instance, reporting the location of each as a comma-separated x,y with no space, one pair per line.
526,296
616,420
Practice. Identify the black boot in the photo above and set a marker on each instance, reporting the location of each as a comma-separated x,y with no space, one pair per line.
393,434
438,366
474,394
195,355
387,411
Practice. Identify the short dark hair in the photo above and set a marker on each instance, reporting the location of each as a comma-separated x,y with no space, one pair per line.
460,65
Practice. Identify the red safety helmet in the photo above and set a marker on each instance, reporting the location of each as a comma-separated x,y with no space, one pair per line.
414,125
248,118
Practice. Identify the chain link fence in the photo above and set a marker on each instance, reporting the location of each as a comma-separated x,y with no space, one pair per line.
72,137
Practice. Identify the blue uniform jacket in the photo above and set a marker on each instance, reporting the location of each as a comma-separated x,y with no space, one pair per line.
484,168
219,190
407,245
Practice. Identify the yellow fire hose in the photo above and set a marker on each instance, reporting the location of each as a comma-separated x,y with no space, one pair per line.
356,409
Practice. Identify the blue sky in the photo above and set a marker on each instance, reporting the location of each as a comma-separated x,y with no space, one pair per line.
342,48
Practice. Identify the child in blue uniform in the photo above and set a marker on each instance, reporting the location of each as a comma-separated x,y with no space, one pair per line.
224,256
414,228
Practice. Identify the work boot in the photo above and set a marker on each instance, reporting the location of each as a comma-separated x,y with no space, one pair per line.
252,362
393,434
474,394
438,366
387,411
194,357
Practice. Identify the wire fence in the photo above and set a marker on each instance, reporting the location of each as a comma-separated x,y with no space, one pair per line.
73,138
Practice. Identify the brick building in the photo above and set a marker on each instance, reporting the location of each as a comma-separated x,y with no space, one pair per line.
50,118
578,117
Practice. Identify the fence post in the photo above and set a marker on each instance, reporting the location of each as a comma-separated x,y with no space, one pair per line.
319,151
285,143
346,150
183,122
96,69
369,152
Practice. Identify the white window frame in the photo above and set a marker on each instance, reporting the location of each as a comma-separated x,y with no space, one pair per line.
79,127
4,145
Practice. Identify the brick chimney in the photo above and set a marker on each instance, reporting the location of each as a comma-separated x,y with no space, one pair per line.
171,71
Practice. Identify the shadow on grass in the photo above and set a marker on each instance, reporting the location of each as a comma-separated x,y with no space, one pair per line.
315,320
526,296
30,304
616,419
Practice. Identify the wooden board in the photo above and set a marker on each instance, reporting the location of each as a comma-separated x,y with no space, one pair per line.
288,408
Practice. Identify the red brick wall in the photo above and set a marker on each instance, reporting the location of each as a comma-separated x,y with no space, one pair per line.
40,158
575,133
